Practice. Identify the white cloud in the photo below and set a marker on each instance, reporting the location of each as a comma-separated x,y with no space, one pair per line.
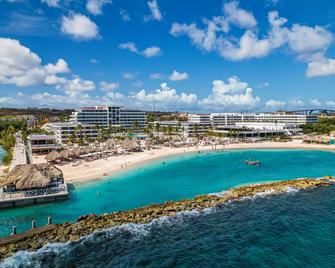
76,86
274,104
296,103
166,96
322,67
138,83
129,46
177,76
109,86
330,103
226,96
263,85
51,3
238,16
308,43
156,76
315,102
6,100
94,61
124,15
129,75
304,39
60,67
22,67
95,6
79,27
232,94
148,52
155,12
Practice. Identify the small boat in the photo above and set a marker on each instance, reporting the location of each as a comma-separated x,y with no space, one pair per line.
253,163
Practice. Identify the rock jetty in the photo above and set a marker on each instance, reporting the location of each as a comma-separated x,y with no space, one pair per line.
85,225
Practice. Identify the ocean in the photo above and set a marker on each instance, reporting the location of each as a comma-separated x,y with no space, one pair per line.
289,230
173,178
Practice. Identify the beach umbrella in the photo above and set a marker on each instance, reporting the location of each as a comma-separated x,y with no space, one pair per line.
130,144
53,156
76,152
65,154
32,176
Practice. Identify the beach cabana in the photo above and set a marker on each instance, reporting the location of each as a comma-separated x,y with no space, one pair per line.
33,176
52,156
66,154
131,145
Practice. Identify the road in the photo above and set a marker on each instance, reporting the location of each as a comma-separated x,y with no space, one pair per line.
19,153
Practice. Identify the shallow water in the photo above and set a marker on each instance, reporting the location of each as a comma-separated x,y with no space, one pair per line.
288,230
2,153
180,177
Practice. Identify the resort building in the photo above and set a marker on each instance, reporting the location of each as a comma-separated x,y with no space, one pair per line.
230,119
200,119
43,143
109,116
190,129
286,127
63,131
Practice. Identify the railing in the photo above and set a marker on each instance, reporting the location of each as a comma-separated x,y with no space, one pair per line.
5,196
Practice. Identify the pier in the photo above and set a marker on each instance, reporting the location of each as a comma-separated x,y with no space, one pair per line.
32,184
27,198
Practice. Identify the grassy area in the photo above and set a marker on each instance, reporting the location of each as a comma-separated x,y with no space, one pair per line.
324,126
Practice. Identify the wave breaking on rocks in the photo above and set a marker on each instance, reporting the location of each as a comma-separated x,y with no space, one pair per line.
91,224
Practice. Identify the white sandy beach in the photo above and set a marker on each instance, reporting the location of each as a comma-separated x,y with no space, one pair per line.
101,168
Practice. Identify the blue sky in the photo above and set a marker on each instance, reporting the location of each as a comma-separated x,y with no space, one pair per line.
247,55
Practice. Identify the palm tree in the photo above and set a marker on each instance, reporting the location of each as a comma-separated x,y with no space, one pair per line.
157,127
136,126
79,132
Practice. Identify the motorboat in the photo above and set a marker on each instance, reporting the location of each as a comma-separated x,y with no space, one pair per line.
253,163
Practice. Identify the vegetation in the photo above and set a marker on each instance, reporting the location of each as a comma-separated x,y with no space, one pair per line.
323,126
8,141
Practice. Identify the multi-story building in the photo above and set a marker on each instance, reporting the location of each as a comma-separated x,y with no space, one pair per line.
40,143
201,119
64,130
229,119
108,116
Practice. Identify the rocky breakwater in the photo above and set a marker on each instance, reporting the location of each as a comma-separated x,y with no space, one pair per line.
36,238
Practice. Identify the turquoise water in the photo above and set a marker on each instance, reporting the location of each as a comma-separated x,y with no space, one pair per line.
289,230
2,153
177,178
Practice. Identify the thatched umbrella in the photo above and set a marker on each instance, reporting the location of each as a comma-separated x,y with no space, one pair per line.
86,150
76,152
33,176
130,145
65,154
53,156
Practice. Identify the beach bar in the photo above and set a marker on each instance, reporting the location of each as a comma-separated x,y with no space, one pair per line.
32,184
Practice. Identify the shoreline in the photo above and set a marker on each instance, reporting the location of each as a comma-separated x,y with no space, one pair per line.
87,224
114,165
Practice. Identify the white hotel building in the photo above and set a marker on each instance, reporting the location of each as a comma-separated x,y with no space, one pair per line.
108,116
229,119
253,122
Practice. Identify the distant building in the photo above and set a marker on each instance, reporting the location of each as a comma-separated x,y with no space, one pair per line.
259,129
43,143
200,119
229,119
64,130
109,116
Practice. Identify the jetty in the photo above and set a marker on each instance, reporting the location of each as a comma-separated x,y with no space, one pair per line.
87,224
31,184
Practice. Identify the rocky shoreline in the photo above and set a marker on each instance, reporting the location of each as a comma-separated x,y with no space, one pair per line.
85,225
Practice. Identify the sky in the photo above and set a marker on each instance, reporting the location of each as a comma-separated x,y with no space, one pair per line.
197,56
